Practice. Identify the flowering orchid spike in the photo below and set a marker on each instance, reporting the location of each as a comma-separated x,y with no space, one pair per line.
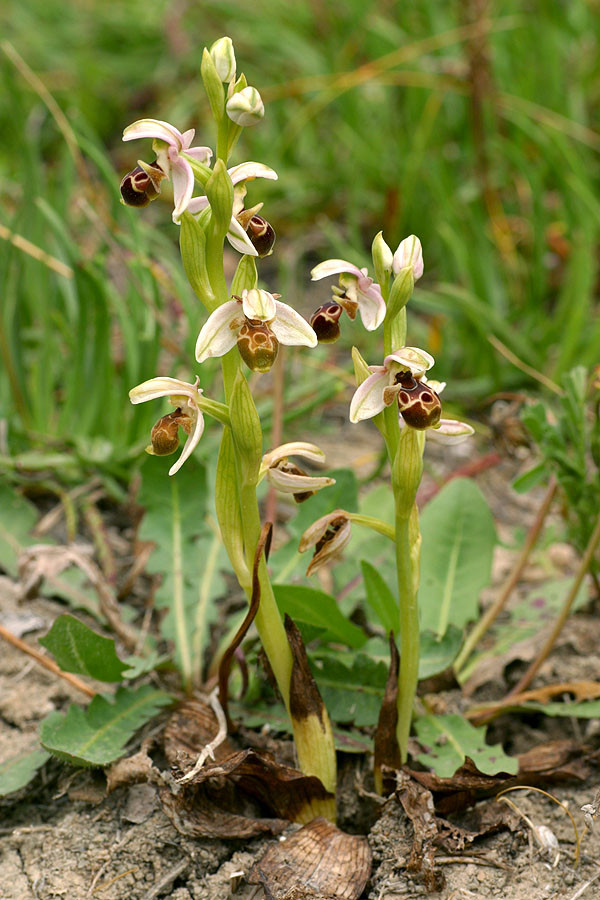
240,175
357,291
328,535
171,147
289,478
257,322
185,397
379,389
409,253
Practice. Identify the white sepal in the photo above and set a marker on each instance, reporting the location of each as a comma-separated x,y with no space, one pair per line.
368,398
290,328
220,331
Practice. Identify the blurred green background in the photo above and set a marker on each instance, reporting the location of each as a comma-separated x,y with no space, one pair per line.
473,124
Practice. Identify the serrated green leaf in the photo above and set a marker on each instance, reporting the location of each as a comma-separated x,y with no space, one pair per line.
77,648
380,598
456,556
98,735
449,739
351,693
18,771
305,604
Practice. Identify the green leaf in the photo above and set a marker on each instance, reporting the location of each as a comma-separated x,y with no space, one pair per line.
98,735
175,522
77,648
351,693
305,604
437,654
456,557
449,739
531,478
19,770
17,519
585,709
380,598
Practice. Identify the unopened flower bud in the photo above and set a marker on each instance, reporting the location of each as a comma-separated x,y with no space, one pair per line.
261,234
258,346
245,107
223,56
142,184
418,403
164,436
382,258
325,322
409,253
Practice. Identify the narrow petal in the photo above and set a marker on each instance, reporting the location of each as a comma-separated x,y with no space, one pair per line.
294,448
183,187
197,204
290,328
191,443
186,138
239,240
162,386
288,483
154,128
371,306
368,399
333,267
202,154
414,359
450,431
248,170
220,331
259,304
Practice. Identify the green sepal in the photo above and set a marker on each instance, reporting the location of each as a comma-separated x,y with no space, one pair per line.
227,505
401,292
361,369
201,171
219,190
213,86
192,243
247,433
407,469
246,276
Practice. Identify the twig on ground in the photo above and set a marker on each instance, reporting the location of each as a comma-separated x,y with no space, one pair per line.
579,892
49,664
167,880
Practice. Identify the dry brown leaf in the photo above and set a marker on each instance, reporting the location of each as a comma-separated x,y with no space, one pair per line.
417,803
386,748
319,861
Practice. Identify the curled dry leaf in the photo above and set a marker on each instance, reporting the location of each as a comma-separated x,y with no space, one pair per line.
417,803
241,793
387,749
319,861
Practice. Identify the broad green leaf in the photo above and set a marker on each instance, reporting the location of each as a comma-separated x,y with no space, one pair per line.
305,604
77,648
175,522
380,598
98,735
529,617
352,693
19,770
449,739
438,654
456,556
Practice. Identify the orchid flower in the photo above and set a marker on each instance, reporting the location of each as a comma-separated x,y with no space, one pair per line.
171,147
447,431
239,175
258,323
358,291
289,478
186,398
379,389
328,535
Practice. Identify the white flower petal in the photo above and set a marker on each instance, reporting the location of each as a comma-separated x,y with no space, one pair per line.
186,139
154,128
294,448
247,170
259,304
191,443
197,204
334,267
239,240
288,483
163,386
201,154
368,399
220,331
409,253
414,359
183,187
290,328
450,431
371,306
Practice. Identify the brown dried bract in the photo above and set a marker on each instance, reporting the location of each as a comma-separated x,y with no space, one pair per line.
319,861
387,750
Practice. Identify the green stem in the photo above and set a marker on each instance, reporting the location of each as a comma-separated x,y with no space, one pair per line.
374,524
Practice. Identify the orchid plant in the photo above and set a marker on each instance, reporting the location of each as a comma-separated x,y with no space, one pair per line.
244,328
